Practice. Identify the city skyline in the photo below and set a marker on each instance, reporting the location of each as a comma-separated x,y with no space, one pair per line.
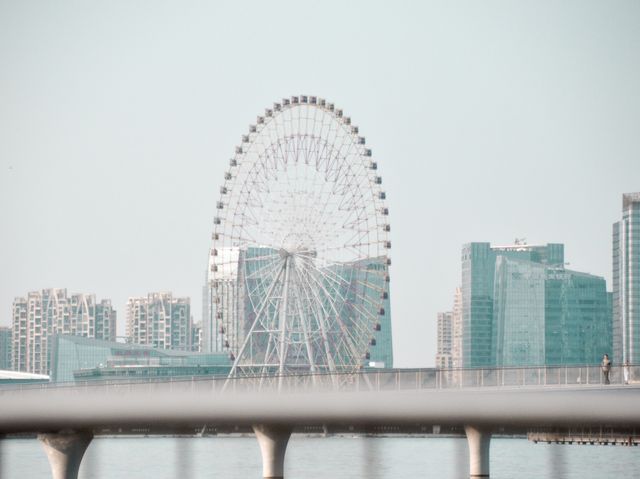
519,243
520,120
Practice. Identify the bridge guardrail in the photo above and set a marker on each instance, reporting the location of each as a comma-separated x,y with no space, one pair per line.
372,380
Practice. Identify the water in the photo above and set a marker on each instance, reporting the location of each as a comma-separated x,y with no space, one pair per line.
322,458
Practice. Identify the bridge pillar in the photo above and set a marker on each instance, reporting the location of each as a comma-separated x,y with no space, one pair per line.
65,450
273,445
478,440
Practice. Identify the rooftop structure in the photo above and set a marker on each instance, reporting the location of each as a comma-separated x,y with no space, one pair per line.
17,377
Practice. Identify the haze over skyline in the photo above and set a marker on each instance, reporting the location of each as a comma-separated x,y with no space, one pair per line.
489,121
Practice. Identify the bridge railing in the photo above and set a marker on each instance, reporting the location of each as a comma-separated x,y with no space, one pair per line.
370,380
536,376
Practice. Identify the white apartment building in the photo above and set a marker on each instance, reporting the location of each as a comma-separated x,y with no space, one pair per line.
160,320
42,314
445,340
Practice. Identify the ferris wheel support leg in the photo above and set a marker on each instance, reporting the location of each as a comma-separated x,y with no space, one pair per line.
273,441
479,440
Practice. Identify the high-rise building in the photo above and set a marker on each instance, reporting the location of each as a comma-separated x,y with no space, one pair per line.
456,319
160,320
225,264
367,271
518,323
42,314
521,307
626,282
577,318
5,348
545,315
206,312
478,272
196,337
445,341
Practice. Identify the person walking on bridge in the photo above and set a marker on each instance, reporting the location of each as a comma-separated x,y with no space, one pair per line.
606,368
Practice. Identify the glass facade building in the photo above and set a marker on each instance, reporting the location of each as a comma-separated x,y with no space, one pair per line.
224,262
521,307
547,315
518,323
626,282
5,348
78,358
578,318
478,273
368,272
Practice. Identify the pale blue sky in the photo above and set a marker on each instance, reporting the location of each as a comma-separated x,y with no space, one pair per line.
489,120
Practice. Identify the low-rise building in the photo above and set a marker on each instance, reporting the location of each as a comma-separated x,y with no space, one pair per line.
81,359
5,348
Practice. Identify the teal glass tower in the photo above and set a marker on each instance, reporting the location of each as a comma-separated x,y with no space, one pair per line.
577,318
521,307
381,346
545,315
478,274
626,282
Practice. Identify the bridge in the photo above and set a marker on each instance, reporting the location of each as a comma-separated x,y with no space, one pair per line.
66,417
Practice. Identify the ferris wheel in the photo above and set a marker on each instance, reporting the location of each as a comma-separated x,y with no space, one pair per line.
300,252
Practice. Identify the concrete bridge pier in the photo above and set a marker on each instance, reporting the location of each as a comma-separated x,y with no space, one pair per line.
478,439
65,450
273,445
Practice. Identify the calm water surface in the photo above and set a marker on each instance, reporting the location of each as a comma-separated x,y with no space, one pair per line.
323,458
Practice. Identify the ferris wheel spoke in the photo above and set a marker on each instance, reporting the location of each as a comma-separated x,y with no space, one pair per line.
261,267
262,284
356,305
359,306
317,310
328,272
265,301
241,233
322,316
304,321
334,295
268,256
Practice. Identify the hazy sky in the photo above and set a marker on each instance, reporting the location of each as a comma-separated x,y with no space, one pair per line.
489,121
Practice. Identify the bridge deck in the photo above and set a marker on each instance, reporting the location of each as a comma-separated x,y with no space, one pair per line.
90,408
